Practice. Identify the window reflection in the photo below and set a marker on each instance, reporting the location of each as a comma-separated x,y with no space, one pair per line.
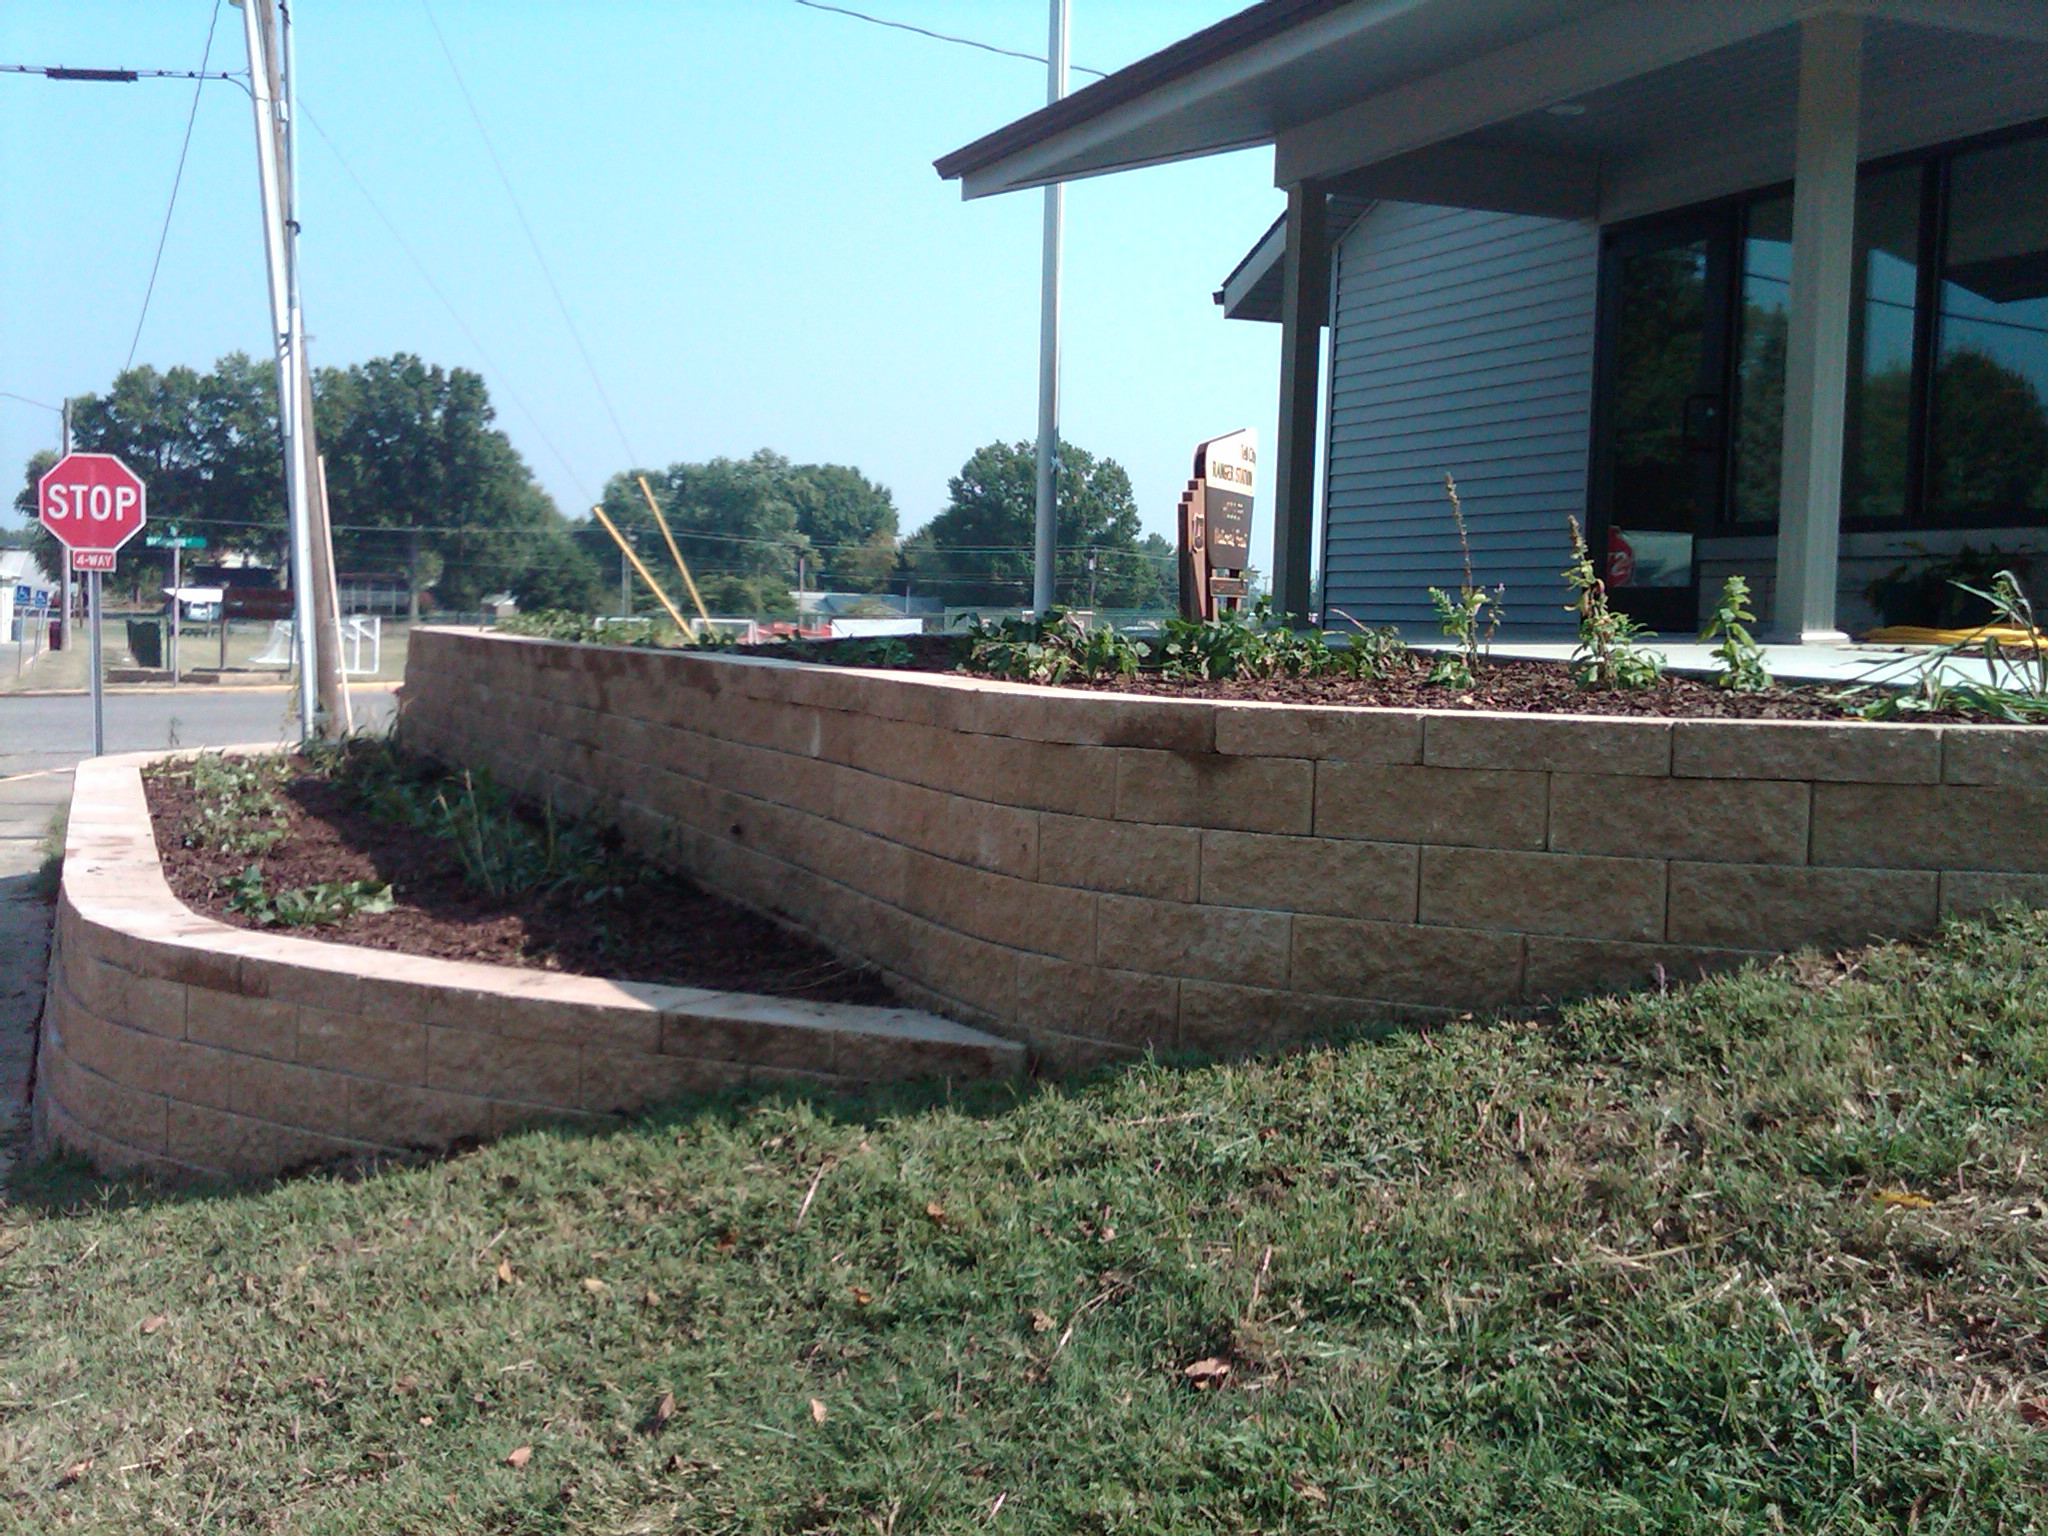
1990,444
1881,344
1760,364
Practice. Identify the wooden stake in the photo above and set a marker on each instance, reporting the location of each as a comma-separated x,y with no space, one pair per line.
645,575
662,523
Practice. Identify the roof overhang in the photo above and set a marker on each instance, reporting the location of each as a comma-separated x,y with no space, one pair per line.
1572,108
1252,291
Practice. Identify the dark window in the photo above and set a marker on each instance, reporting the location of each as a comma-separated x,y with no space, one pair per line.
1759,408
1883,329
1989,447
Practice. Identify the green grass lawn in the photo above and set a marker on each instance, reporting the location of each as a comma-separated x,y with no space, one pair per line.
1768,1253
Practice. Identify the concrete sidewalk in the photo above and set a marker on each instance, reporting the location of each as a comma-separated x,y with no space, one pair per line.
28,804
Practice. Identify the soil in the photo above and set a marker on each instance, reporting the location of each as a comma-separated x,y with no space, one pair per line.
1511,684
663,928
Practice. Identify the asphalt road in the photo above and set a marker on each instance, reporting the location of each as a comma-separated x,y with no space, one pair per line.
41,732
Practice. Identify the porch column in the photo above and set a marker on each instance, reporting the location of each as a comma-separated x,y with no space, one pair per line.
1303,301
1817,345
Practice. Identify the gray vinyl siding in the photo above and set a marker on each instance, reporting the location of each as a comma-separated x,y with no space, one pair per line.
1462,342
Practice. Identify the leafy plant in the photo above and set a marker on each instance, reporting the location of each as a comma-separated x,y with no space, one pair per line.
585,628
236,807
1471,615
1368,652
1610,652
303,906
866,651
1741,659
1050,649
2016,685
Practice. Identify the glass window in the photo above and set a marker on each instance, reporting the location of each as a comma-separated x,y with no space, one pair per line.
1881,344
1759,448
1989,452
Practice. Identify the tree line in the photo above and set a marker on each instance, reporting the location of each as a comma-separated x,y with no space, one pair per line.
423,487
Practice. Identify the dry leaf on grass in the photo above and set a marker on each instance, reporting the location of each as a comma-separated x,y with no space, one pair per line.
817,1410
936,1211
860,1297
665,1409
1206,1374
519,1456
593,1285
75,1472
504,1271
1903,1199
2034,1411
1041,1320
727,1241
1315,1493
153,1322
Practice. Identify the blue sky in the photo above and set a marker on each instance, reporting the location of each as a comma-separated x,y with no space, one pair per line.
736,197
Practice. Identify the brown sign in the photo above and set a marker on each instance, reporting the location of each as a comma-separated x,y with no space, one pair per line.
1216,524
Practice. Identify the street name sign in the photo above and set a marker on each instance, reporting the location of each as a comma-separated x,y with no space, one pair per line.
92,504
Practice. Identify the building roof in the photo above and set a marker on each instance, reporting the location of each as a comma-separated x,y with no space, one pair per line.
1252,291
1569,108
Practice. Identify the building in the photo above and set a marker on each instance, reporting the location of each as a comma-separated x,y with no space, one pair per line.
1745,285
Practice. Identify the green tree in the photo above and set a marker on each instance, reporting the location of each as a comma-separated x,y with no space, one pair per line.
420,481
849,520
1990,438
978,551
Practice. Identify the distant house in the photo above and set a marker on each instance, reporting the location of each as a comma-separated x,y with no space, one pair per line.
1745,285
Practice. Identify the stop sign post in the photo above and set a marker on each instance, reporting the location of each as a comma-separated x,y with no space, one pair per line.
92,504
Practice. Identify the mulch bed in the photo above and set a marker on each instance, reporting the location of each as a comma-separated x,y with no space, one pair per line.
1503,683
664,928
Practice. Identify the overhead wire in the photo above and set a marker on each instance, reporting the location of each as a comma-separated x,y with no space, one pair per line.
123,76
532,240
177,180
419,266
943,37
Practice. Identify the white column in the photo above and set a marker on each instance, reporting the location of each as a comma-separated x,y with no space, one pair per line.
1817,351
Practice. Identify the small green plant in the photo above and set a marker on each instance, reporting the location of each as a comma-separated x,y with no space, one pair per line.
1611,653
302,906
1050,649
1368,652
585,628
2016,685
1741,666
1468,617
868,651
236,805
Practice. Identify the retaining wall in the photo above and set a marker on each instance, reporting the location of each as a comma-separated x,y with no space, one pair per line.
1098,873
178,1044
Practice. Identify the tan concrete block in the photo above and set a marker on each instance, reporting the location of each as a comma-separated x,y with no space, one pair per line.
405,1116
1395,962
615,1082
148,1064
1749,822
280,971
491,1066
1247,794
1859,753
1553,743
1074,1055
249,1148
2015,755
1175,939
193,962
1967,893
1223,1020
1740,906
392,1049
1132,857
1023,914
254,1026
1561,967
1091,719
1322,731
1557,893
995,837
1093,1003
934,1048
57,1128
508,1116
1947,826
1397,804
1038,775
968,970
127,1115
143,1002
286,1094
1338,876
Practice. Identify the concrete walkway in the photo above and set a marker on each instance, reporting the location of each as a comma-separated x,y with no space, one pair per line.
29,802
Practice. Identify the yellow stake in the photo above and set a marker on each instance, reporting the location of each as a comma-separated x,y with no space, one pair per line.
662,523
645,575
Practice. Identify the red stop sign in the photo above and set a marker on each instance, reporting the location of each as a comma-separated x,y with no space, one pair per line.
92,501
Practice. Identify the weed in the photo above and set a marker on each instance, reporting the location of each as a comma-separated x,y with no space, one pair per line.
1611,653
49,875
303,906
1741,659
236,807
2016,686
1471,615
868,651
587,629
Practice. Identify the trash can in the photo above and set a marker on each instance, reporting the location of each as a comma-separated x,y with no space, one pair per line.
146,642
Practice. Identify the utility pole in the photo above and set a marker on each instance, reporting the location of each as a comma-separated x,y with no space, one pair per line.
1042,595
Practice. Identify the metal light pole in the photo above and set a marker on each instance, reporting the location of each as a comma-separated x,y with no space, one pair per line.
1046,543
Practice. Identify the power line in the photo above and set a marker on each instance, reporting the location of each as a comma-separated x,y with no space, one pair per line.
177,180
8,394
124,76
435,288
531,239
943,37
